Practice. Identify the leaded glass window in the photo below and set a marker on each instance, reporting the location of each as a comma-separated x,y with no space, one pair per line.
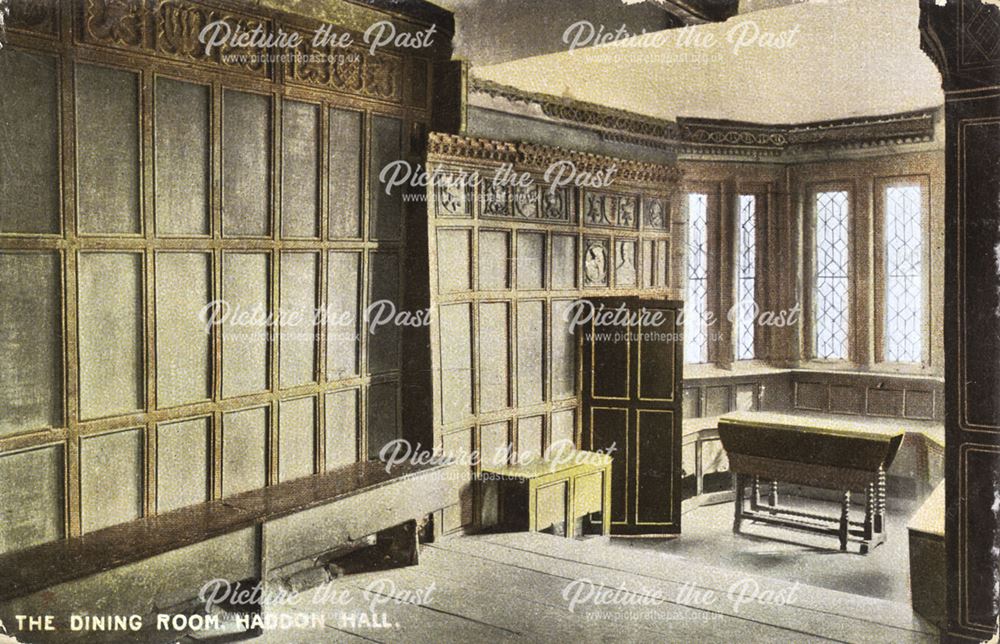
696,306
746,307
830,303
903,337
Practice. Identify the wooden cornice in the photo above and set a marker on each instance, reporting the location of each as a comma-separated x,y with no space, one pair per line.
721,137
532,157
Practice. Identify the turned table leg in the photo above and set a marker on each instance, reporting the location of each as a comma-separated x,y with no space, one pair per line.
738,485
880,502
845,516
772,497
755,493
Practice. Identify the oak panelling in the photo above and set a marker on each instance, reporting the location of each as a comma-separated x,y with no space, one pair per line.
746,397
564,262
692,402
648,263
183,339
341,428
530,261
563,362
718,400
494,444
919,404
246,162
662,263
32,501
244,450
494,363
111,478
296,438
456,363
625,263
529,439
654,435
299,169
346,131
383,329
656,348
110,322
297,335
811,395
107,150
343,321
382,416
885,402
386,209
494,260
847,399
182,134
183,463
31,386
245,279
29,129
530,352
454,251
563,427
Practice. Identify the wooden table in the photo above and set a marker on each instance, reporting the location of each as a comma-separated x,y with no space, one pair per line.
818,451
541,494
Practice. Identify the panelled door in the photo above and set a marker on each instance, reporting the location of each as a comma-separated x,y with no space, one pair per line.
631,405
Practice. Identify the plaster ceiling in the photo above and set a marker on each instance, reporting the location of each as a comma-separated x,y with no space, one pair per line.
840,59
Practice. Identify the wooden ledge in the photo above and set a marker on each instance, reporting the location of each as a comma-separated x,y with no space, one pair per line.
27,571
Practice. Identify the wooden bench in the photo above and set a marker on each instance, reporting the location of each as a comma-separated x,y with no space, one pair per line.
266,534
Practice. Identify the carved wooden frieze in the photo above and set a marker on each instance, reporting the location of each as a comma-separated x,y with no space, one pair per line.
595,262
118,23
346,69
179,25
494,199
452,195
596,210
557,204
626,211
525,201
655,213
37,16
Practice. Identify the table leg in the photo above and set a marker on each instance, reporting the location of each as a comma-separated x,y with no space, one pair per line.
755,493
880,502
869,516
845,516
738,484
772,497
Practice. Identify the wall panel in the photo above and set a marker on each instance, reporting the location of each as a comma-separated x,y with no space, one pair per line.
182,135
246,193
296,438
111,478
341,428
299,169
31,387
29,186
107,150
342,317
297,336
183,463
245,279
244,450
345,173
183,335
32,502
111,334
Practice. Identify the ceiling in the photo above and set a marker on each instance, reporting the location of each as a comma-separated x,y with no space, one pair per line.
842,58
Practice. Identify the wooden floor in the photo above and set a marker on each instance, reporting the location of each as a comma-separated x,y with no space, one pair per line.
513,587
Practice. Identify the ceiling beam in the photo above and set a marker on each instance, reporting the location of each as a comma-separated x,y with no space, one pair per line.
693,12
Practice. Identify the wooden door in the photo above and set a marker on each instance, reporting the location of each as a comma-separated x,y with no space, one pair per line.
631,404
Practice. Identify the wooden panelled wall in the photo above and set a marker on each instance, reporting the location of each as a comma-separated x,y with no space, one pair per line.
506,264
143,179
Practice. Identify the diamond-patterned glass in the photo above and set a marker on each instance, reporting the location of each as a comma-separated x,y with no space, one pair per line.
746,307
903,337
830,304
696,306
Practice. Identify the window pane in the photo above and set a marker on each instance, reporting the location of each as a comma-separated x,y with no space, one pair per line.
830,309
696,306
745,278
903,274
